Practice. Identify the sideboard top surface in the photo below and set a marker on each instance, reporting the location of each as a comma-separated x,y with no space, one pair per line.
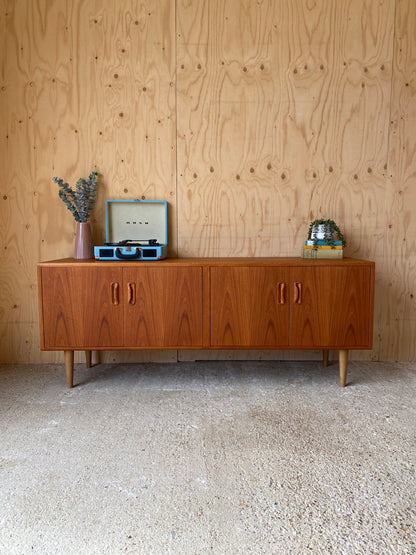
235,261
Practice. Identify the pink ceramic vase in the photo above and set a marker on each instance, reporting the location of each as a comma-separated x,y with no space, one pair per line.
84,247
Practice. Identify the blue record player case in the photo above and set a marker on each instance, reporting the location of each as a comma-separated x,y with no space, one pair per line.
134,230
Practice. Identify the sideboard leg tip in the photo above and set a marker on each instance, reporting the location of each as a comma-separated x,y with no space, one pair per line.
343,364
88,359
69,368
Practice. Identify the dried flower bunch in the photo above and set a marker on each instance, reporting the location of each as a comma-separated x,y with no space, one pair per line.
81,201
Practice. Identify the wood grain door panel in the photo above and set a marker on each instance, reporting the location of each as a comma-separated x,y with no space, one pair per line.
249,307
164,307
82,307
330,307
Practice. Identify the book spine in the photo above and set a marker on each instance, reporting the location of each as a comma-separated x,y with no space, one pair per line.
323,253
324,243
323,247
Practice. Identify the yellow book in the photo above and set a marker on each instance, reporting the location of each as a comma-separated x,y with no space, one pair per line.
323,253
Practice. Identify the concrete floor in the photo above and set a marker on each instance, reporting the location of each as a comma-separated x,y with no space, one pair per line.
208,457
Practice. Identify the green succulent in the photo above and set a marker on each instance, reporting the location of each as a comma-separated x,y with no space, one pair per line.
331,230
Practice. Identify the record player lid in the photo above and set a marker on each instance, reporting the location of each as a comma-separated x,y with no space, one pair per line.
136,220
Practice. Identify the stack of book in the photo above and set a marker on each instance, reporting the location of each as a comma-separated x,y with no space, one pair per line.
322,249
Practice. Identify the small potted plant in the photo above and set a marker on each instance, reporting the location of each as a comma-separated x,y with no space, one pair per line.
326,231
80,202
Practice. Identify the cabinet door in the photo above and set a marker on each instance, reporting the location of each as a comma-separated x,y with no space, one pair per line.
81,307
330,307
163,307
249,306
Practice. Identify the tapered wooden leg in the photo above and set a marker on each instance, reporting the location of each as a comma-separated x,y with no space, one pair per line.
69,367
325,357
343,363
88,359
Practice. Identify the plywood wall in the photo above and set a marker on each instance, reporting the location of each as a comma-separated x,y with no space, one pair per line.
85,85
396,300
250,118
278,121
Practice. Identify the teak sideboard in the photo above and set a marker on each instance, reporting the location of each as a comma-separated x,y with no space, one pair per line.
206,303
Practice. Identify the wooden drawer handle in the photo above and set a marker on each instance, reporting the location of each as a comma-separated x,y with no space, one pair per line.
131,293
115,293
297,292
282,293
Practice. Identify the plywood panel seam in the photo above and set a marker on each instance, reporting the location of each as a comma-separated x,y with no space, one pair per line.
393,70
176,129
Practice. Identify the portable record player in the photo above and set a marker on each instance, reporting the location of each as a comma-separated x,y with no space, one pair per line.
134,230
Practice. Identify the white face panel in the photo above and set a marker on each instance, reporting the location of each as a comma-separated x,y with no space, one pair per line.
136,221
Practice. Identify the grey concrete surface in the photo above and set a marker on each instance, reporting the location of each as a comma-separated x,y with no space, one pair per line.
209,457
